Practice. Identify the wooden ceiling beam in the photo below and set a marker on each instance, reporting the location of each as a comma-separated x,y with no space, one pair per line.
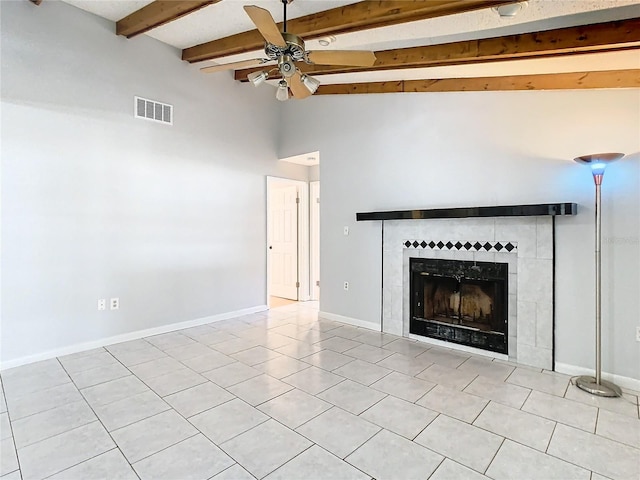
600,37
157,13
349,18
554,81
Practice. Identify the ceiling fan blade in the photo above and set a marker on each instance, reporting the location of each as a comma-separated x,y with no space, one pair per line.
356,58
266,25
232,66
297,87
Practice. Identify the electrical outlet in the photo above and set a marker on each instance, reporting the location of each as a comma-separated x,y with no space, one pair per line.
102,304
637,334
346,285
346,231
115,303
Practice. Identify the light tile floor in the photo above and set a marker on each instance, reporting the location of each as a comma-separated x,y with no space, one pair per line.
287,395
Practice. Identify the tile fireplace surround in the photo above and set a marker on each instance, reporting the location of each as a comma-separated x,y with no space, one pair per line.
530,257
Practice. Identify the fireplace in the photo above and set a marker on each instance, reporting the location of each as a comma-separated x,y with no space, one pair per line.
463,302
522,236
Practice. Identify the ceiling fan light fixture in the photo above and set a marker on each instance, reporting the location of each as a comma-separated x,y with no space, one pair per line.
256,78
282,93
311,83
286,66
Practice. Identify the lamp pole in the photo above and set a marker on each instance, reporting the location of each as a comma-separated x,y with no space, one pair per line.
595,385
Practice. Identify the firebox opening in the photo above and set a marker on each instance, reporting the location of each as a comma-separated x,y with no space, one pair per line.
460,301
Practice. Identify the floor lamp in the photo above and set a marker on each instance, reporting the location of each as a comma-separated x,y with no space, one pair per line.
595,385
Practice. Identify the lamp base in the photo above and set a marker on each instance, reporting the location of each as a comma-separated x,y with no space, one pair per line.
603,389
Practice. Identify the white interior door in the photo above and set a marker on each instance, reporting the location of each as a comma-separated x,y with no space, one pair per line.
283,248
315,239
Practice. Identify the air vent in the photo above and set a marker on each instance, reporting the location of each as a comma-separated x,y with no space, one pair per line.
152,110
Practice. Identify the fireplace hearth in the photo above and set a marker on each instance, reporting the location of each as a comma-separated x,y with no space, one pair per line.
464,302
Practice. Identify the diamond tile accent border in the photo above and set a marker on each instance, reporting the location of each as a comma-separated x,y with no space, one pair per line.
509,247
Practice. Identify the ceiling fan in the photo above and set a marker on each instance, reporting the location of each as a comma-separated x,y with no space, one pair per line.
286,49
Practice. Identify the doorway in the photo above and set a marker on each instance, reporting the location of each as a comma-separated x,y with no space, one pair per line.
287,241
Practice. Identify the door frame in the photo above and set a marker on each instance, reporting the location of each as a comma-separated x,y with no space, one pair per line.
314,238
303,235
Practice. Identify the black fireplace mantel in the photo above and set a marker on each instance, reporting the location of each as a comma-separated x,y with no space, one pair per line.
540,209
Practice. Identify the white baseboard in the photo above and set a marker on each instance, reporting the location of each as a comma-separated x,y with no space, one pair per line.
125,337
623,382
351,321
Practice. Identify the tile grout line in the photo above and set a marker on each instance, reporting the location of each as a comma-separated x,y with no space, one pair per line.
42,391
333,454
321,413
234,436
583,467
525,400
511,439
292,430
291,459
563,459
426,426
321,391
504,439
13,441
80,463
546,450
82,400
518,443
230,466
301,434
480,413
103,426
168,447
373,405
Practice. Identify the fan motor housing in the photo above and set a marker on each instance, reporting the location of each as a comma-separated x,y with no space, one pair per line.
295,48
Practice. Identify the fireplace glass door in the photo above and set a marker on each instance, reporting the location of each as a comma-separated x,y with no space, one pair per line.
460,301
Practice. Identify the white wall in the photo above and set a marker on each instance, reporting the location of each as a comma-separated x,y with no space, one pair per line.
401,151
97,204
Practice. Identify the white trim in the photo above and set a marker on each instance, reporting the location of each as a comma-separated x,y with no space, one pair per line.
306,159
303,236
314,239
459,347
624,382
304,294
80,347
351,321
